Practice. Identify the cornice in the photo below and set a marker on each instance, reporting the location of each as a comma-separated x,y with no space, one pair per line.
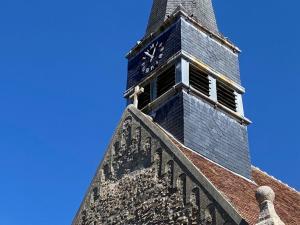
174,17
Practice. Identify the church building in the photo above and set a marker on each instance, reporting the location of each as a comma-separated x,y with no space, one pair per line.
180,154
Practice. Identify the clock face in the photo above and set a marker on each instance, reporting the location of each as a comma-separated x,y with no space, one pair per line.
151,57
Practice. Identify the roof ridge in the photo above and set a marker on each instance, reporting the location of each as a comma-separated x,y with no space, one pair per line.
276,179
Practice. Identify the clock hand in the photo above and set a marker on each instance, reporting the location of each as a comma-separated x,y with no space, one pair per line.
148,54
153,54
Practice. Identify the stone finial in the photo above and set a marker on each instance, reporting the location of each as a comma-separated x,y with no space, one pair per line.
265,193
265,197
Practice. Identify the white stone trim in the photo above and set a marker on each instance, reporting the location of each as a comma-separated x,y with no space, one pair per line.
213,88
239,103
183,72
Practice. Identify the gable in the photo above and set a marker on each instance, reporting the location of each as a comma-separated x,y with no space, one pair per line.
145,179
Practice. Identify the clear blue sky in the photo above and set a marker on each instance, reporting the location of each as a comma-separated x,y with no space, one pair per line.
62,75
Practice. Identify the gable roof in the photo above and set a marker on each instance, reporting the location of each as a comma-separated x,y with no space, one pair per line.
172,145
235,194
114,170
240,192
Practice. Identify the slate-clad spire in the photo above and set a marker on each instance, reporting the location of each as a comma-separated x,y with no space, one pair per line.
201,10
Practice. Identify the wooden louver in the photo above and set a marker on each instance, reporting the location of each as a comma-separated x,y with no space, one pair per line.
226,96
199,80
165,81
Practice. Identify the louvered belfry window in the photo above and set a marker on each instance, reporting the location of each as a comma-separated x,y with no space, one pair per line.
165,81
226,96
144,98
199,80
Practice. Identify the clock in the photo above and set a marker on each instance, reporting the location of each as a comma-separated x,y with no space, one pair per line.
151,56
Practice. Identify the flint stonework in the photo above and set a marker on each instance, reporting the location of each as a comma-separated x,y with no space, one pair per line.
140,181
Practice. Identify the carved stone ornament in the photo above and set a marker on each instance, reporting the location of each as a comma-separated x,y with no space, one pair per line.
140,182
265,197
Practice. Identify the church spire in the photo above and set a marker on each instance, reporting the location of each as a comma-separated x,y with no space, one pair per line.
201,10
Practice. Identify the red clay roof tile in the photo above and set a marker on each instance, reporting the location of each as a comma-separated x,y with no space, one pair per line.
240,192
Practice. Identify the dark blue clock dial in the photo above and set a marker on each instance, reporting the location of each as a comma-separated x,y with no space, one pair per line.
152,55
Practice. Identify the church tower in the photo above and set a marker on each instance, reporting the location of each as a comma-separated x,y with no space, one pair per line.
191,82
179,155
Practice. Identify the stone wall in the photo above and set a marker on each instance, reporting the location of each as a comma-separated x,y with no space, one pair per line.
141,182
